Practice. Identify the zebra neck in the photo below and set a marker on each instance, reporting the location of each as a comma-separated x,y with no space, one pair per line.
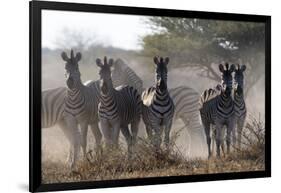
75,92
161,94
225,100
108,98
239,98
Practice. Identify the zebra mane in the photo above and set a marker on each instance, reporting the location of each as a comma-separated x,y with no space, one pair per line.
210,94
148,96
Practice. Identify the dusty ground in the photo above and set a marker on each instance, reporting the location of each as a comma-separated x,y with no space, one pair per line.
115,165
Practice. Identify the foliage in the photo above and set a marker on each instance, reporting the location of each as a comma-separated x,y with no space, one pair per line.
200,44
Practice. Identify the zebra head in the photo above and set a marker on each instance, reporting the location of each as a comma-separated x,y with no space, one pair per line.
226,78
105,75
239,79
72,73
161,73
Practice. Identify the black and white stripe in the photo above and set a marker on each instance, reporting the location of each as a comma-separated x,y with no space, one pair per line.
122,74
217,108
158,107
80,108
185,101
52,106
118,108
240,105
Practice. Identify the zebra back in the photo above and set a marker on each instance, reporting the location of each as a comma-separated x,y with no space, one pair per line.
52,106
95,88
122,74
53,103
208,95
185,98
131,107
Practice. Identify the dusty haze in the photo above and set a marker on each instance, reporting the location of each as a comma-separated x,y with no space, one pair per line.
55,146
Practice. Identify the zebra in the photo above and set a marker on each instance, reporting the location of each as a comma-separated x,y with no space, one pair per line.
80,108
217,108
158,107
239,102
185,100
117,108
52,106
122,74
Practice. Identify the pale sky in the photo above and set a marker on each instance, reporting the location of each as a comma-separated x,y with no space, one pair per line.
116,30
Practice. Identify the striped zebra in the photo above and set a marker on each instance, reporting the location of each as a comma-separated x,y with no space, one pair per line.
118,108
122,74
52,106
239,102
217,108
185,100
71,107
158,107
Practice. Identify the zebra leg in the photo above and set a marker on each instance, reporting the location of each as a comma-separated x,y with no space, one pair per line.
97,134
197,139
229,131
115,135
240,125
213,129
134,131
234,137
69,137
126,133
228,136
84,132
149,132
106,131
207,128
223,139
218,138
157,139
70,129
167,134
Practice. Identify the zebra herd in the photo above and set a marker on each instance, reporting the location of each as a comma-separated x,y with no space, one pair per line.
220,108
118,100
185,100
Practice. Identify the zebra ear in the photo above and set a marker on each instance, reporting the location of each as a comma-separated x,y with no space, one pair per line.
237,67
156,61
98,61
232,68
167,60
78,57
221,67
64,56
243,67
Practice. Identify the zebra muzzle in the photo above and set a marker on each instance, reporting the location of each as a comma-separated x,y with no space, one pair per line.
70,82
104,88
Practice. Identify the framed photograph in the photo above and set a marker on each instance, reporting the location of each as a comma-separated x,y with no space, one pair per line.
126,96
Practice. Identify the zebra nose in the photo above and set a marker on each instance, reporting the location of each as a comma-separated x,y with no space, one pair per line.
159,81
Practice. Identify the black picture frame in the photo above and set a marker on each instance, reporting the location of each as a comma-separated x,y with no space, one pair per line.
36,7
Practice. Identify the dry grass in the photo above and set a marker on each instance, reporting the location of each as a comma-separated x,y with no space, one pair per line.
146,163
